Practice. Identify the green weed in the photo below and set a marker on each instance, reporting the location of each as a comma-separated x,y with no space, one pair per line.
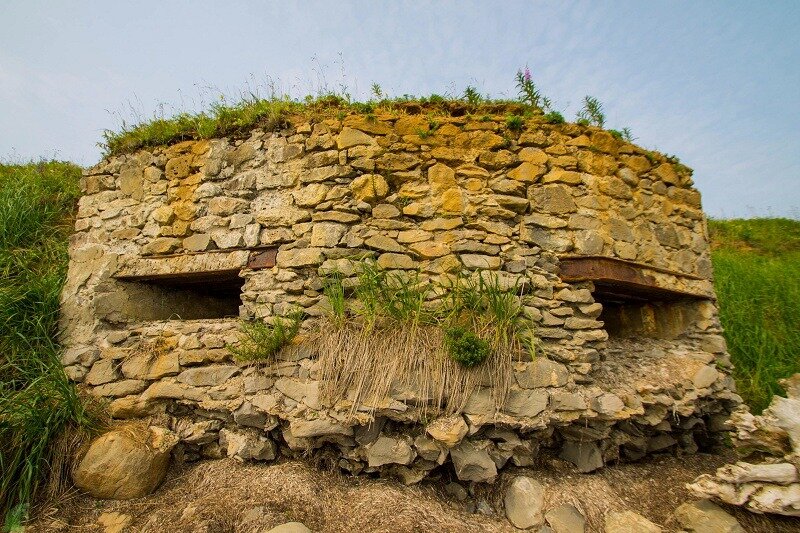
554,117
260,342
515,122
465,347
472,96
591,113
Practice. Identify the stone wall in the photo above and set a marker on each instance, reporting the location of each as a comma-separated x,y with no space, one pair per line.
162,235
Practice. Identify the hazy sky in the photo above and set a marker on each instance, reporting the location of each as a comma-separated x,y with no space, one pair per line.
716,83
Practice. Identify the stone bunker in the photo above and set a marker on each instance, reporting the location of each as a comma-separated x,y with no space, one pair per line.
174,246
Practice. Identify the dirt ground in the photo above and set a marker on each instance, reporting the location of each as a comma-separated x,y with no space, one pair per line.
228,497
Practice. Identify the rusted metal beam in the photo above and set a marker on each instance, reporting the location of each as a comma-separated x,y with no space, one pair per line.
634,264
262,259
619,280
186,278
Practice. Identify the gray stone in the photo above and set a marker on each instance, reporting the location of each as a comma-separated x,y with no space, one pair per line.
542,372
103,371
607,404
249,415
386,450
554,199
589,242
327,234
586,456
528,403
524,502
317,428
472,462
120,388
561,400
705,377
456,491
706,517
566,519
247,445
207,376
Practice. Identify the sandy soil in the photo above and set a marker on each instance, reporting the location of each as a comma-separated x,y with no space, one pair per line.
226,496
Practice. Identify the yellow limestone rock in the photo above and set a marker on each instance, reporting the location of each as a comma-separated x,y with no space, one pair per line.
129,462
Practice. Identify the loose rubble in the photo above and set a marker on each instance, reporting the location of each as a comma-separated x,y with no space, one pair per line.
770,484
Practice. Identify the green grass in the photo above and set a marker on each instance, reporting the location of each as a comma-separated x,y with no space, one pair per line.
477,304
38,404
757,279
232,118
260,342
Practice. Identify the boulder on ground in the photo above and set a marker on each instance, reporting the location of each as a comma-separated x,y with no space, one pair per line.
706,517
629,522
566,519
127,462
524,501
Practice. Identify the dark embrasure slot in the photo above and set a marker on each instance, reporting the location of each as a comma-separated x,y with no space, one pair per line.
187,296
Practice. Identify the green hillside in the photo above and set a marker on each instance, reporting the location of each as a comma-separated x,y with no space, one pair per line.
39,409
757,278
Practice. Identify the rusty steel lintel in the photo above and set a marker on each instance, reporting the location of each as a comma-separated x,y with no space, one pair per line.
262,259
177,279
619,278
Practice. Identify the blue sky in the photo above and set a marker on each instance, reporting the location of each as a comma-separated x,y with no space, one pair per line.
716,83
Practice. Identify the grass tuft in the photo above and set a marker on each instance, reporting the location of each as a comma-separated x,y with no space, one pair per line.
397,330
39,406
260,341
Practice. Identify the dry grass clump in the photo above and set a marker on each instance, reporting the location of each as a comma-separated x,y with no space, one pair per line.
391,338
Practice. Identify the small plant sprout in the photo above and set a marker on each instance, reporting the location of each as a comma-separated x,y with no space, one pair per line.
260,342
377,91
465,347
627,135
472,96
515,122
554,117
591,114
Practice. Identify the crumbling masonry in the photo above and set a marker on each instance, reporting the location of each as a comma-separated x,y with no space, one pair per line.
175,245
